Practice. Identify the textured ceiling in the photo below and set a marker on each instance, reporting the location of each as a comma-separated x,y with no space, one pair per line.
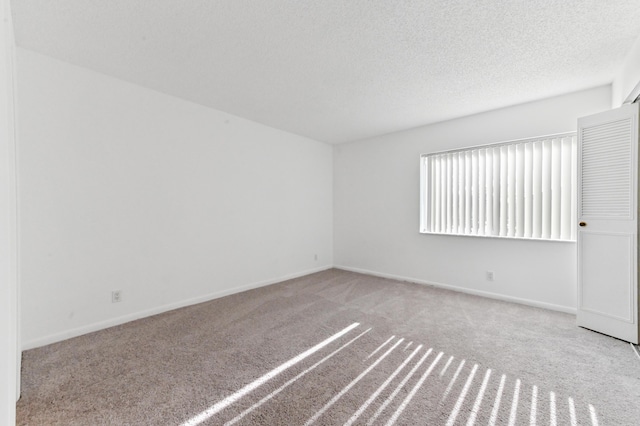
340,70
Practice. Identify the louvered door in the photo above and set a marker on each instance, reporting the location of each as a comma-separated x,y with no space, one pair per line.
607,216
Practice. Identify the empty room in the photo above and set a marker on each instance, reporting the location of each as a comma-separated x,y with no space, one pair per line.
319,212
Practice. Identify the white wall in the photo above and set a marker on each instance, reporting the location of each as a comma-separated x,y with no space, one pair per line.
627,77
376,208
121,187
9,359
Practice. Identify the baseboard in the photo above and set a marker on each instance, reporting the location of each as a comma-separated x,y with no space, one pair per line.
68,334
498,296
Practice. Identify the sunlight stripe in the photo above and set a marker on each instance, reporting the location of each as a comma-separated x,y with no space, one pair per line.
514,404
290,381
415,389
496,403
463,394
398,388
380,347
572,412
446,366
453,380
594,417
534,406
350,385
553,421
260,381
381,388
478,402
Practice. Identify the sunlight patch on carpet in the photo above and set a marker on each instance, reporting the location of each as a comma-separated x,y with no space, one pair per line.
594,416
514,403
478,401
462,396
260,381
350,385
534,406
444,369
572,412
398,388
291,381
380,347
475,402
415,389
496,402
553,421
382,387
453,380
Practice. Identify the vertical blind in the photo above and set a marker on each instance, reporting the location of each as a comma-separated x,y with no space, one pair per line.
520,189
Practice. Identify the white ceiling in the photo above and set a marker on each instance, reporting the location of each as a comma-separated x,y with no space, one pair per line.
340,70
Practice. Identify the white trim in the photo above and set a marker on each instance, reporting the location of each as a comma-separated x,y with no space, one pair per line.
633,95
10,372
499,237
15,200
68,334
490,295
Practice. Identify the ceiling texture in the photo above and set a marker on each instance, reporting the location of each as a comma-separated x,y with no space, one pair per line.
340,70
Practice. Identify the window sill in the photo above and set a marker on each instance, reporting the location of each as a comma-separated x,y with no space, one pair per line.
496,237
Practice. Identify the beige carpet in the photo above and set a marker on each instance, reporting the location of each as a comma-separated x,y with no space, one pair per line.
337,348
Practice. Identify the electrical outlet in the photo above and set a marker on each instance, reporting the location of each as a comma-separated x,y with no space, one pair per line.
315,257
116,296
489,275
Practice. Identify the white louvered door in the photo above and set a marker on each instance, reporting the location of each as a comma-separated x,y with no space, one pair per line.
607,215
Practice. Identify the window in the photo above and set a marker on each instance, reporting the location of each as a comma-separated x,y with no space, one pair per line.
519,189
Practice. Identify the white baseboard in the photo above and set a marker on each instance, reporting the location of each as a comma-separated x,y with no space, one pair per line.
68,334
522,301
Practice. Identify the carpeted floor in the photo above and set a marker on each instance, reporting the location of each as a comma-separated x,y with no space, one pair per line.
337,347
